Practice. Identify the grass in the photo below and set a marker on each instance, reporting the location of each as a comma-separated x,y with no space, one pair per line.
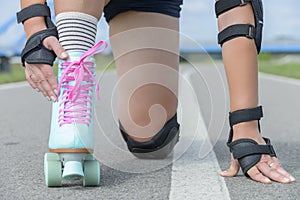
291,70
271,64
15,75
276,65
17,72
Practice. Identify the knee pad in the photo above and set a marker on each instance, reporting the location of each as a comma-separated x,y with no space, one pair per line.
241,30
160,146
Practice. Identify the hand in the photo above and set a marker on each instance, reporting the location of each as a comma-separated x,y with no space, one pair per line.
267,169
41,76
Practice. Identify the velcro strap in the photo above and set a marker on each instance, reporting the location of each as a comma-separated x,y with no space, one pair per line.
222,6
272,151
245,115
251,150
33,11
35,52
237,30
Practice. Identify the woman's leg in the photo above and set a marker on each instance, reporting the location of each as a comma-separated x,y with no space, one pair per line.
77,22
72,122
145,47
90,7
240,60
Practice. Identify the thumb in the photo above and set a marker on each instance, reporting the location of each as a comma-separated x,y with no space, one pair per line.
53,44
233,170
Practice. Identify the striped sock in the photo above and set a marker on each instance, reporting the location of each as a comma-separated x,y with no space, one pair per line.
76,31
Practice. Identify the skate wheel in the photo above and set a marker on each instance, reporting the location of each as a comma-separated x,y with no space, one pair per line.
91,170
52,170
89,157
52,157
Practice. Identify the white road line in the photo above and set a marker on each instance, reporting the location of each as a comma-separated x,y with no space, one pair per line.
279,79
193,177
10,86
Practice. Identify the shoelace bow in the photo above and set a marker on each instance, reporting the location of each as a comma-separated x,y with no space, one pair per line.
74,105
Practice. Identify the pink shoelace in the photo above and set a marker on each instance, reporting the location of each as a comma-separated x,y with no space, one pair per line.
74,106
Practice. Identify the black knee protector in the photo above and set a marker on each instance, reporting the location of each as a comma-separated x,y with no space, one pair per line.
160,146
241,30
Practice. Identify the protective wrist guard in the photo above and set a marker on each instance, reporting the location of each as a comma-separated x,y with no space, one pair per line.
34,51
241,30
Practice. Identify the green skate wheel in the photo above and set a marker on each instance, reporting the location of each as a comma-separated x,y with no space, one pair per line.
91,170
52,170
89,157
52,157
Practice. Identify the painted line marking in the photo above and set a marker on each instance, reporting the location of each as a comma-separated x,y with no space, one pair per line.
194,177
10,86
281,79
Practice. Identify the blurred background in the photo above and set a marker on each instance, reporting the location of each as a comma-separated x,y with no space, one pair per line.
281,40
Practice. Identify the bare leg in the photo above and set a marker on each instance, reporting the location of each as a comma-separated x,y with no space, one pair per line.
242,76
91,7
145,47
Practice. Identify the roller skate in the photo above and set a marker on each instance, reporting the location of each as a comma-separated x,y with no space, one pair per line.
71,140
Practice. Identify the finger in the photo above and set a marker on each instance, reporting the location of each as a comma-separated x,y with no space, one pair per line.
272,173
50,77
256,175
44,93
233,170
48,91
43,83
34,77
53,44
28,75
277,165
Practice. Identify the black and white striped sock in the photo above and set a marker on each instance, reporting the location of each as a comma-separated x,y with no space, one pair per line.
76,31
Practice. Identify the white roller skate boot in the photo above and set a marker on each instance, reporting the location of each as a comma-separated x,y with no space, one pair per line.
71,140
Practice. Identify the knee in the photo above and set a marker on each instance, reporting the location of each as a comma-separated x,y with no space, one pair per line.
148,104
147,110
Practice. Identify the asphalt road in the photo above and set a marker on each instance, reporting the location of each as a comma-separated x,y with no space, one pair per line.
25,120
280,99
